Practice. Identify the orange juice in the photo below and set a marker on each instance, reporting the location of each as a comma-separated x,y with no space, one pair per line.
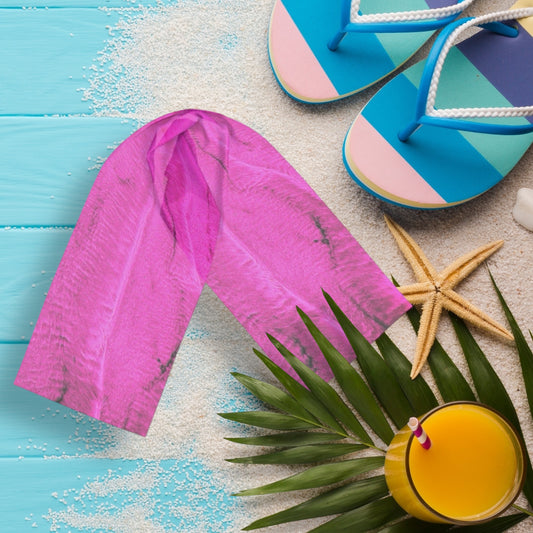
473,470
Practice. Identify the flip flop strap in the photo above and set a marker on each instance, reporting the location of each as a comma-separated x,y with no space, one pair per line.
425,111
401,21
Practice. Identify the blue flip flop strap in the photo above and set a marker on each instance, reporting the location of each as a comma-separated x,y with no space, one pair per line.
398,27
390,27
384,27
425,83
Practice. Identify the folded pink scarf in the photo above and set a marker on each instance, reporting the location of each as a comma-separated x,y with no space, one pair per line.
193,198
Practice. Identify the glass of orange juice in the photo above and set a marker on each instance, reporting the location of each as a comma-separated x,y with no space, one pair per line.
473,470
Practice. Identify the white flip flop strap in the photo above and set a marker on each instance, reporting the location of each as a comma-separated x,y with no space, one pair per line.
474,112
407,16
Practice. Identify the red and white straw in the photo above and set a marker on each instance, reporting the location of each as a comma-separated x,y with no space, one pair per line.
419,433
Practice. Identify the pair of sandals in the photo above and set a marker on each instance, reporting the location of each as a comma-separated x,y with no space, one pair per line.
441,132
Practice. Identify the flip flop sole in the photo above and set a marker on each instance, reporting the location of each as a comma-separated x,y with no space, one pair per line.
440,167
308,71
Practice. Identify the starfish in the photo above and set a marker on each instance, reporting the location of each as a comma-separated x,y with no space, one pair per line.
435,292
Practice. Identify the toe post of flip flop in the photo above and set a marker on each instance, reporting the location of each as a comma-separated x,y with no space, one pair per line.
449,128
324,50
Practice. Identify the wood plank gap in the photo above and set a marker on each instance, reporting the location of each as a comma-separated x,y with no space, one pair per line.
37,226
59,115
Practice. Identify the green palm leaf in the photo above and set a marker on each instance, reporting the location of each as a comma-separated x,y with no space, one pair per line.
336,501
413,525
268,420
313,453
489,387
319,476
377,373
524,351
316,423
526,362
451,383
304,396
351,383
325,393
283,440
275,397
498,525
365,518
418,393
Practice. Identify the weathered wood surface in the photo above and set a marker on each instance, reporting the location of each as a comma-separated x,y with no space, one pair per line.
55,465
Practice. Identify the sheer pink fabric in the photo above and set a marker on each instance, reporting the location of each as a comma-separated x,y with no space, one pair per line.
189,199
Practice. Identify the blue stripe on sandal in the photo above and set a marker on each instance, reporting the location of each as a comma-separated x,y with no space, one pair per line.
439,165
309,71
478,92
318,21
451,178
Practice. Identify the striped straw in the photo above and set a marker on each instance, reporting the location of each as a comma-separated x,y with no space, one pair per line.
419,433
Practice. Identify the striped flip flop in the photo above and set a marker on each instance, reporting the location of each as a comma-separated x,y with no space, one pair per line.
324,50
449,128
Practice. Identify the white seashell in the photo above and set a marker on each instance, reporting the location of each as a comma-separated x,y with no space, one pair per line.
523,208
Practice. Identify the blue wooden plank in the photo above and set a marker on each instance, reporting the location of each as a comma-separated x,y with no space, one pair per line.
97,495
49,165
56,480
33,426
40,487
48,54
22,4
28,261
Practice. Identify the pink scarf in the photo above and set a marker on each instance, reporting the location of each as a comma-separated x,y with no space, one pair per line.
193,198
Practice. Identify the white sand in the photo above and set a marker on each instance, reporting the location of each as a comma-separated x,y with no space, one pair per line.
212,54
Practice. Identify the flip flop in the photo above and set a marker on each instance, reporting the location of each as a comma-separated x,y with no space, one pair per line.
448,129
324,50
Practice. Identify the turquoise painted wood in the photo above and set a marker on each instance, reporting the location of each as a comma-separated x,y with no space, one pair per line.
50,4
36,503
35,427
54,161
27,265
130,500
48,54
55,470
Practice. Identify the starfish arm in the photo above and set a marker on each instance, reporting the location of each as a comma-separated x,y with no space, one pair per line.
417,293
466,264
422,268
465,310
426,334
